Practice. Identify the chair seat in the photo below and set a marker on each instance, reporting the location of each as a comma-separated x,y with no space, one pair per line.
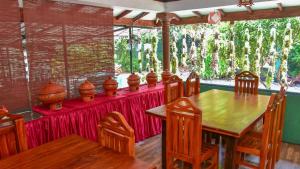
250,143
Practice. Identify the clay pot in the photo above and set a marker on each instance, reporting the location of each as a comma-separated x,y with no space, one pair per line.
133,82
166,74
151,79
110,86
52,95
87,91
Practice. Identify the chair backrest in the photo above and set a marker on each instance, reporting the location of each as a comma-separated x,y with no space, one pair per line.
193,84
12,134
173,89
115,133
246,82
280,124
269,132
184,131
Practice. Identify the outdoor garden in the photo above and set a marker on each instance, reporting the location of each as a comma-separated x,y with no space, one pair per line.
270,48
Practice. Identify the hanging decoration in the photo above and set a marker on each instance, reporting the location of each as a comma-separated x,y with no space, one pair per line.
258,51
192,60
174,50
231,50
201,53
139,50
247,51
215,54
287,45
184,50
245,3
154,62
214,17
272,58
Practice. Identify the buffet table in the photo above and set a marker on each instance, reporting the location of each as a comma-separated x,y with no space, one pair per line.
77,117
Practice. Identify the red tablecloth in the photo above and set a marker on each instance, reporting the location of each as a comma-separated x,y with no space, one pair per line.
82,118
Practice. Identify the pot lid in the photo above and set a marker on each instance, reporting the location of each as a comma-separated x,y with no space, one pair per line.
52,88
133,76
110,81
151,74
86,85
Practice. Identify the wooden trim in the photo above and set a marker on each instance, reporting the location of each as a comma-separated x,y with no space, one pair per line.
122,14
198,14
232,16
237,16
222,12
280,7
139,16
249,9
140,23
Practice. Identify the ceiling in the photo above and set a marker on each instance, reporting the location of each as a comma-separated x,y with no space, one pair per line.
183,8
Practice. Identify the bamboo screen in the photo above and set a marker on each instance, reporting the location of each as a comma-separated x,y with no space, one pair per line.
13,84
68,43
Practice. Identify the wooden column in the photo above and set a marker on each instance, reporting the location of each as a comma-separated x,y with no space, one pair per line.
166,44
166,19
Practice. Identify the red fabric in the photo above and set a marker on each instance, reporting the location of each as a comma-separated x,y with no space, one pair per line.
82,118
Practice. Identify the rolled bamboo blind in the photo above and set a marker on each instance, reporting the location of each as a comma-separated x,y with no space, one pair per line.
13,83
68,43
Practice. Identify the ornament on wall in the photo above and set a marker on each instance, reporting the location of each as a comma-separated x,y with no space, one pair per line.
245,3
214,17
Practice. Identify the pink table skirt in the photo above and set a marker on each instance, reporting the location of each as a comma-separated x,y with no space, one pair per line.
82,118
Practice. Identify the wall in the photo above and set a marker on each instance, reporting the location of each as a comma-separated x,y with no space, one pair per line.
292,115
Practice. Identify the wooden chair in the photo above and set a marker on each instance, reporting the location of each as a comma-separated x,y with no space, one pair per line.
184,137
262,144
246,82
192,84
173,89
115,133
280,121
12,134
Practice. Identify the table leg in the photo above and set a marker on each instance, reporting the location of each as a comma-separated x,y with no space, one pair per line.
230,146
163,145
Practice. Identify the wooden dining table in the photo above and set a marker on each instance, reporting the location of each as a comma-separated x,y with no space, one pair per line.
225,113
72,152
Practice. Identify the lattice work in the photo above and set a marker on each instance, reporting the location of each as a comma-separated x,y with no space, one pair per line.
68,43
13,84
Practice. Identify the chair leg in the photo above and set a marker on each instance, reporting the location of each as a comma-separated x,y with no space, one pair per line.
237,160
217,160
170,164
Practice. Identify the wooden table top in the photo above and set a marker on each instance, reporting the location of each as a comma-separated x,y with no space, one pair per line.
72,152
225,112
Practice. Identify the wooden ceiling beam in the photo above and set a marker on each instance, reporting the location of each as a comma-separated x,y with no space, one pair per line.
138,23
122,14
222,12
249,9
231,16
238,16
198,14
280,7
140,16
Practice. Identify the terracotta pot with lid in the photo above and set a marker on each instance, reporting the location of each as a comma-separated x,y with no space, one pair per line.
133,82
166,74
151,79
52,95
110,86
87,91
